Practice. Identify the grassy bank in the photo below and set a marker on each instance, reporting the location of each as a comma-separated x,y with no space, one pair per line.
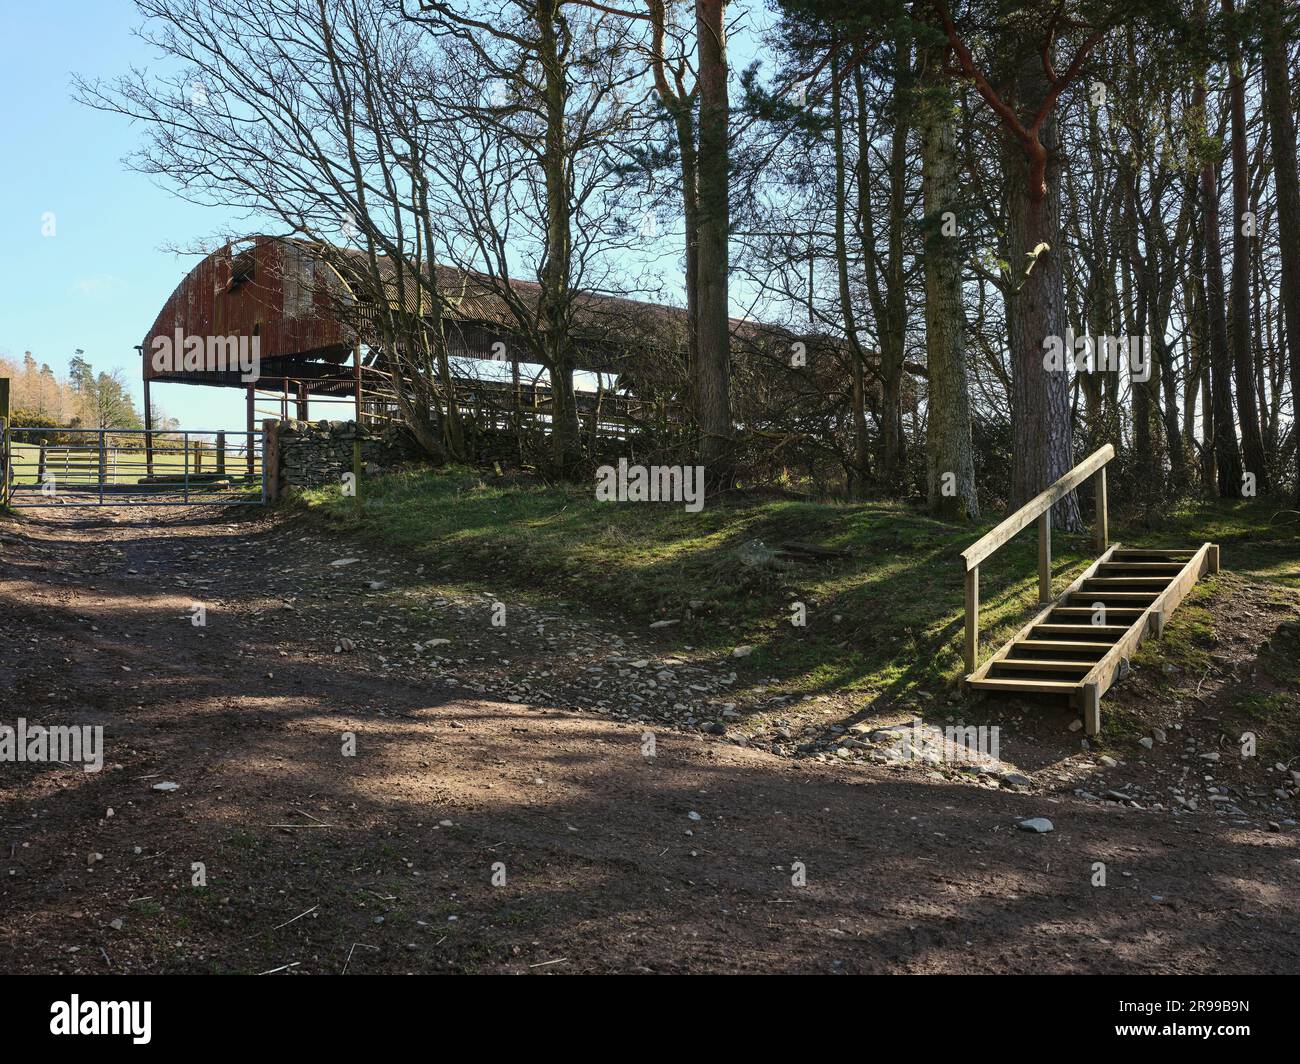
884,614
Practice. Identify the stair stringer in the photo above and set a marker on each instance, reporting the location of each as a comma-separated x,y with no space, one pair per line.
1101,678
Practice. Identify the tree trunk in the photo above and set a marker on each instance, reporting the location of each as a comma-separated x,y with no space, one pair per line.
1042,430
1277,100
553,308
1227,455
893,329
950,463
1252,442
860,461
713,364
684,121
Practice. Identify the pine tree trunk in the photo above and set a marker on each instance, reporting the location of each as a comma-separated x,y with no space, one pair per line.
1042,429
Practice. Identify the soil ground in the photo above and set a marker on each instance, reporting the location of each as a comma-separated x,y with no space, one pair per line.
500,812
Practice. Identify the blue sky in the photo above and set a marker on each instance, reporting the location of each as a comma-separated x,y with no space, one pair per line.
99,281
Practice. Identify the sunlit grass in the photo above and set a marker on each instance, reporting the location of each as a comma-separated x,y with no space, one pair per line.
898,592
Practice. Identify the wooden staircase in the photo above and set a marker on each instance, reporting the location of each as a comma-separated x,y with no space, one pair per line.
1079,642
1077,645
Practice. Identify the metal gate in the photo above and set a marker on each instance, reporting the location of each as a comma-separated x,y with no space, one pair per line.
130,467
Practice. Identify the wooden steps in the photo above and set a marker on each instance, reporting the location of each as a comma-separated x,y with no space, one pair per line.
1128,592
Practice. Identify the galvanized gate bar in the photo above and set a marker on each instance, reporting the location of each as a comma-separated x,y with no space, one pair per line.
45,467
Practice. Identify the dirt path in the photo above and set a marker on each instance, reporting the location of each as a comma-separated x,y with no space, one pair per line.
482,825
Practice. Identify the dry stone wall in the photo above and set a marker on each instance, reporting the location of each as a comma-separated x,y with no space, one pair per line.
314,454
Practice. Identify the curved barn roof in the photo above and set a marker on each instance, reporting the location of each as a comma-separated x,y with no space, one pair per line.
306,304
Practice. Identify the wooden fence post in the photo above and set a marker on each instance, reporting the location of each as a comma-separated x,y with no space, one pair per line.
270,458
1090,696
1045,557
1103,516
6,444
972,618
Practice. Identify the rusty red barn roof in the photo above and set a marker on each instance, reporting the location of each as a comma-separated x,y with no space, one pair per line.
286,292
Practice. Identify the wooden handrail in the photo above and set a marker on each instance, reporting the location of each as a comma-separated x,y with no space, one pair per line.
1039,504
1038,508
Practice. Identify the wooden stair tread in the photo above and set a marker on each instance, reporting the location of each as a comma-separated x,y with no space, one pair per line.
1113,581
1154,568
1061,644
1139,552
1088,611
1100,595
1043,665
1050,628
1010,683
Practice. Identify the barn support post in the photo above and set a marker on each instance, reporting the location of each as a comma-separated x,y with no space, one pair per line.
250,428
148,424
356,381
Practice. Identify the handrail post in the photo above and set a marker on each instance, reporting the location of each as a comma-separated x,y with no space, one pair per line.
972,618
1039,509
1103,516
1045,557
